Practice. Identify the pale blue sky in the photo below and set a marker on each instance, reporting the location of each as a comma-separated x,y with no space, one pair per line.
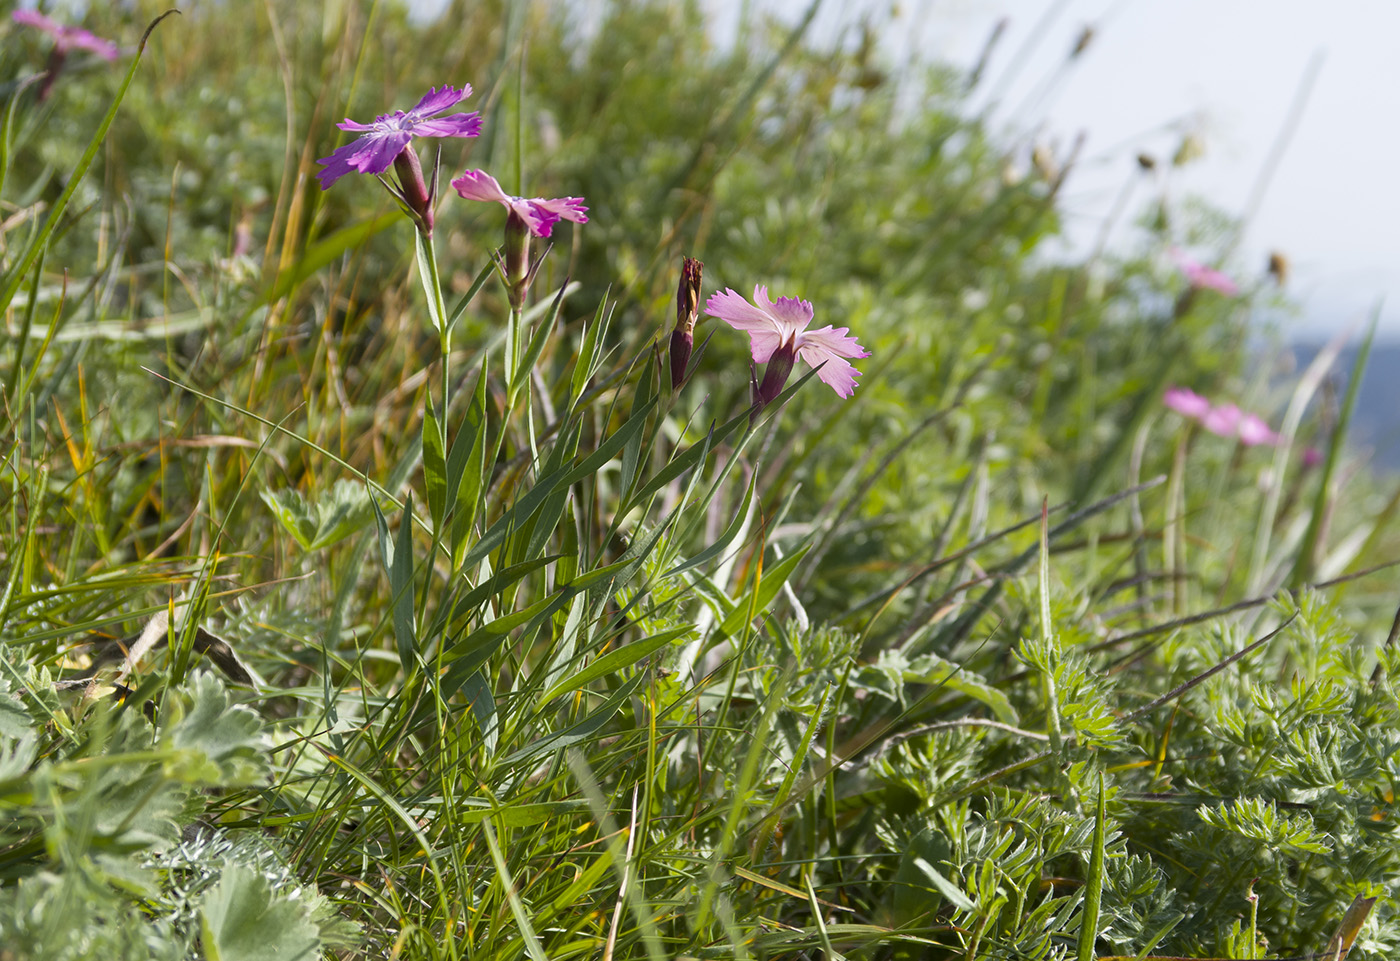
1228,69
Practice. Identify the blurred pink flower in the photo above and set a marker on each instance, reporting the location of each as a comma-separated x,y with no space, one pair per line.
778,334
1226,420
1312,457
1253,431
1188,403
66,38
1223,420
1198,275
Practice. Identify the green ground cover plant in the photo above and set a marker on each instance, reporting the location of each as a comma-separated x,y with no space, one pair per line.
419,544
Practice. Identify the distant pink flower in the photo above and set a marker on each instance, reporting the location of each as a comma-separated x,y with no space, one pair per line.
1198,275
778,334
1188,403
1223,420
1312,457
66,38
390,134
1253,431
538,214
1226,420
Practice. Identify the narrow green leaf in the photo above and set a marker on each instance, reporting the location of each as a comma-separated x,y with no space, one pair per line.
401,584
532,500
471,477
584,729
945,887
590,352
471,293
435,475
321,253
768,588
522,917
427,276
1304,569
541,336
725,539
1093,885
614,661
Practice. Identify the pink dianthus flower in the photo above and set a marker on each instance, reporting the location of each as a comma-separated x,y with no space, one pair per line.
778,334
539,214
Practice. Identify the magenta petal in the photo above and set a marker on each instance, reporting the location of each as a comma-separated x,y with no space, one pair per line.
439,99
480,185
372,154
1188,403
564,208
454,125
541,220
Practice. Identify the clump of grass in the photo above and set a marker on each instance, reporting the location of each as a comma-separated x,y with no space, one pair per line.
361,603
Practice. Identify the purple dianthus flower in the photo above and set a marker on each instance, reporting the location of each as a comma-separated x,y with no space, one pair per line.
390,133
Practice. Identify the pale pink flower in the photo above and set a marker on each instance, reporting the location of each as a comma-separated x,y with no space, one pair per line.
1200,276
1226,420
67,38
1223,420
1312,457
778,334
1188,403
1253,431
538,213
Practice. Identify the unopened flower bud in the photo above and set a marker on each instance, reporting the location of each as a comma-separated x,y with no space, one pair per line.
414,189
687,310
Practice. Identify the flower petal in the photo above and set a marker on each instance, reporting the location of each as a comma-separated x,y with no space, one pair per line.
371,154
836,373
730,306
439,99
1188,403
540,220
480,185
91,42
1223,420
1253,430
829,346
564,208
33,18
453,125
792,314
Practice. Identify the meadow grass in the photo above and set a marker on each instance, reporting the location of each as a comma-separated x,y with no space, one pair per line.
361,602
